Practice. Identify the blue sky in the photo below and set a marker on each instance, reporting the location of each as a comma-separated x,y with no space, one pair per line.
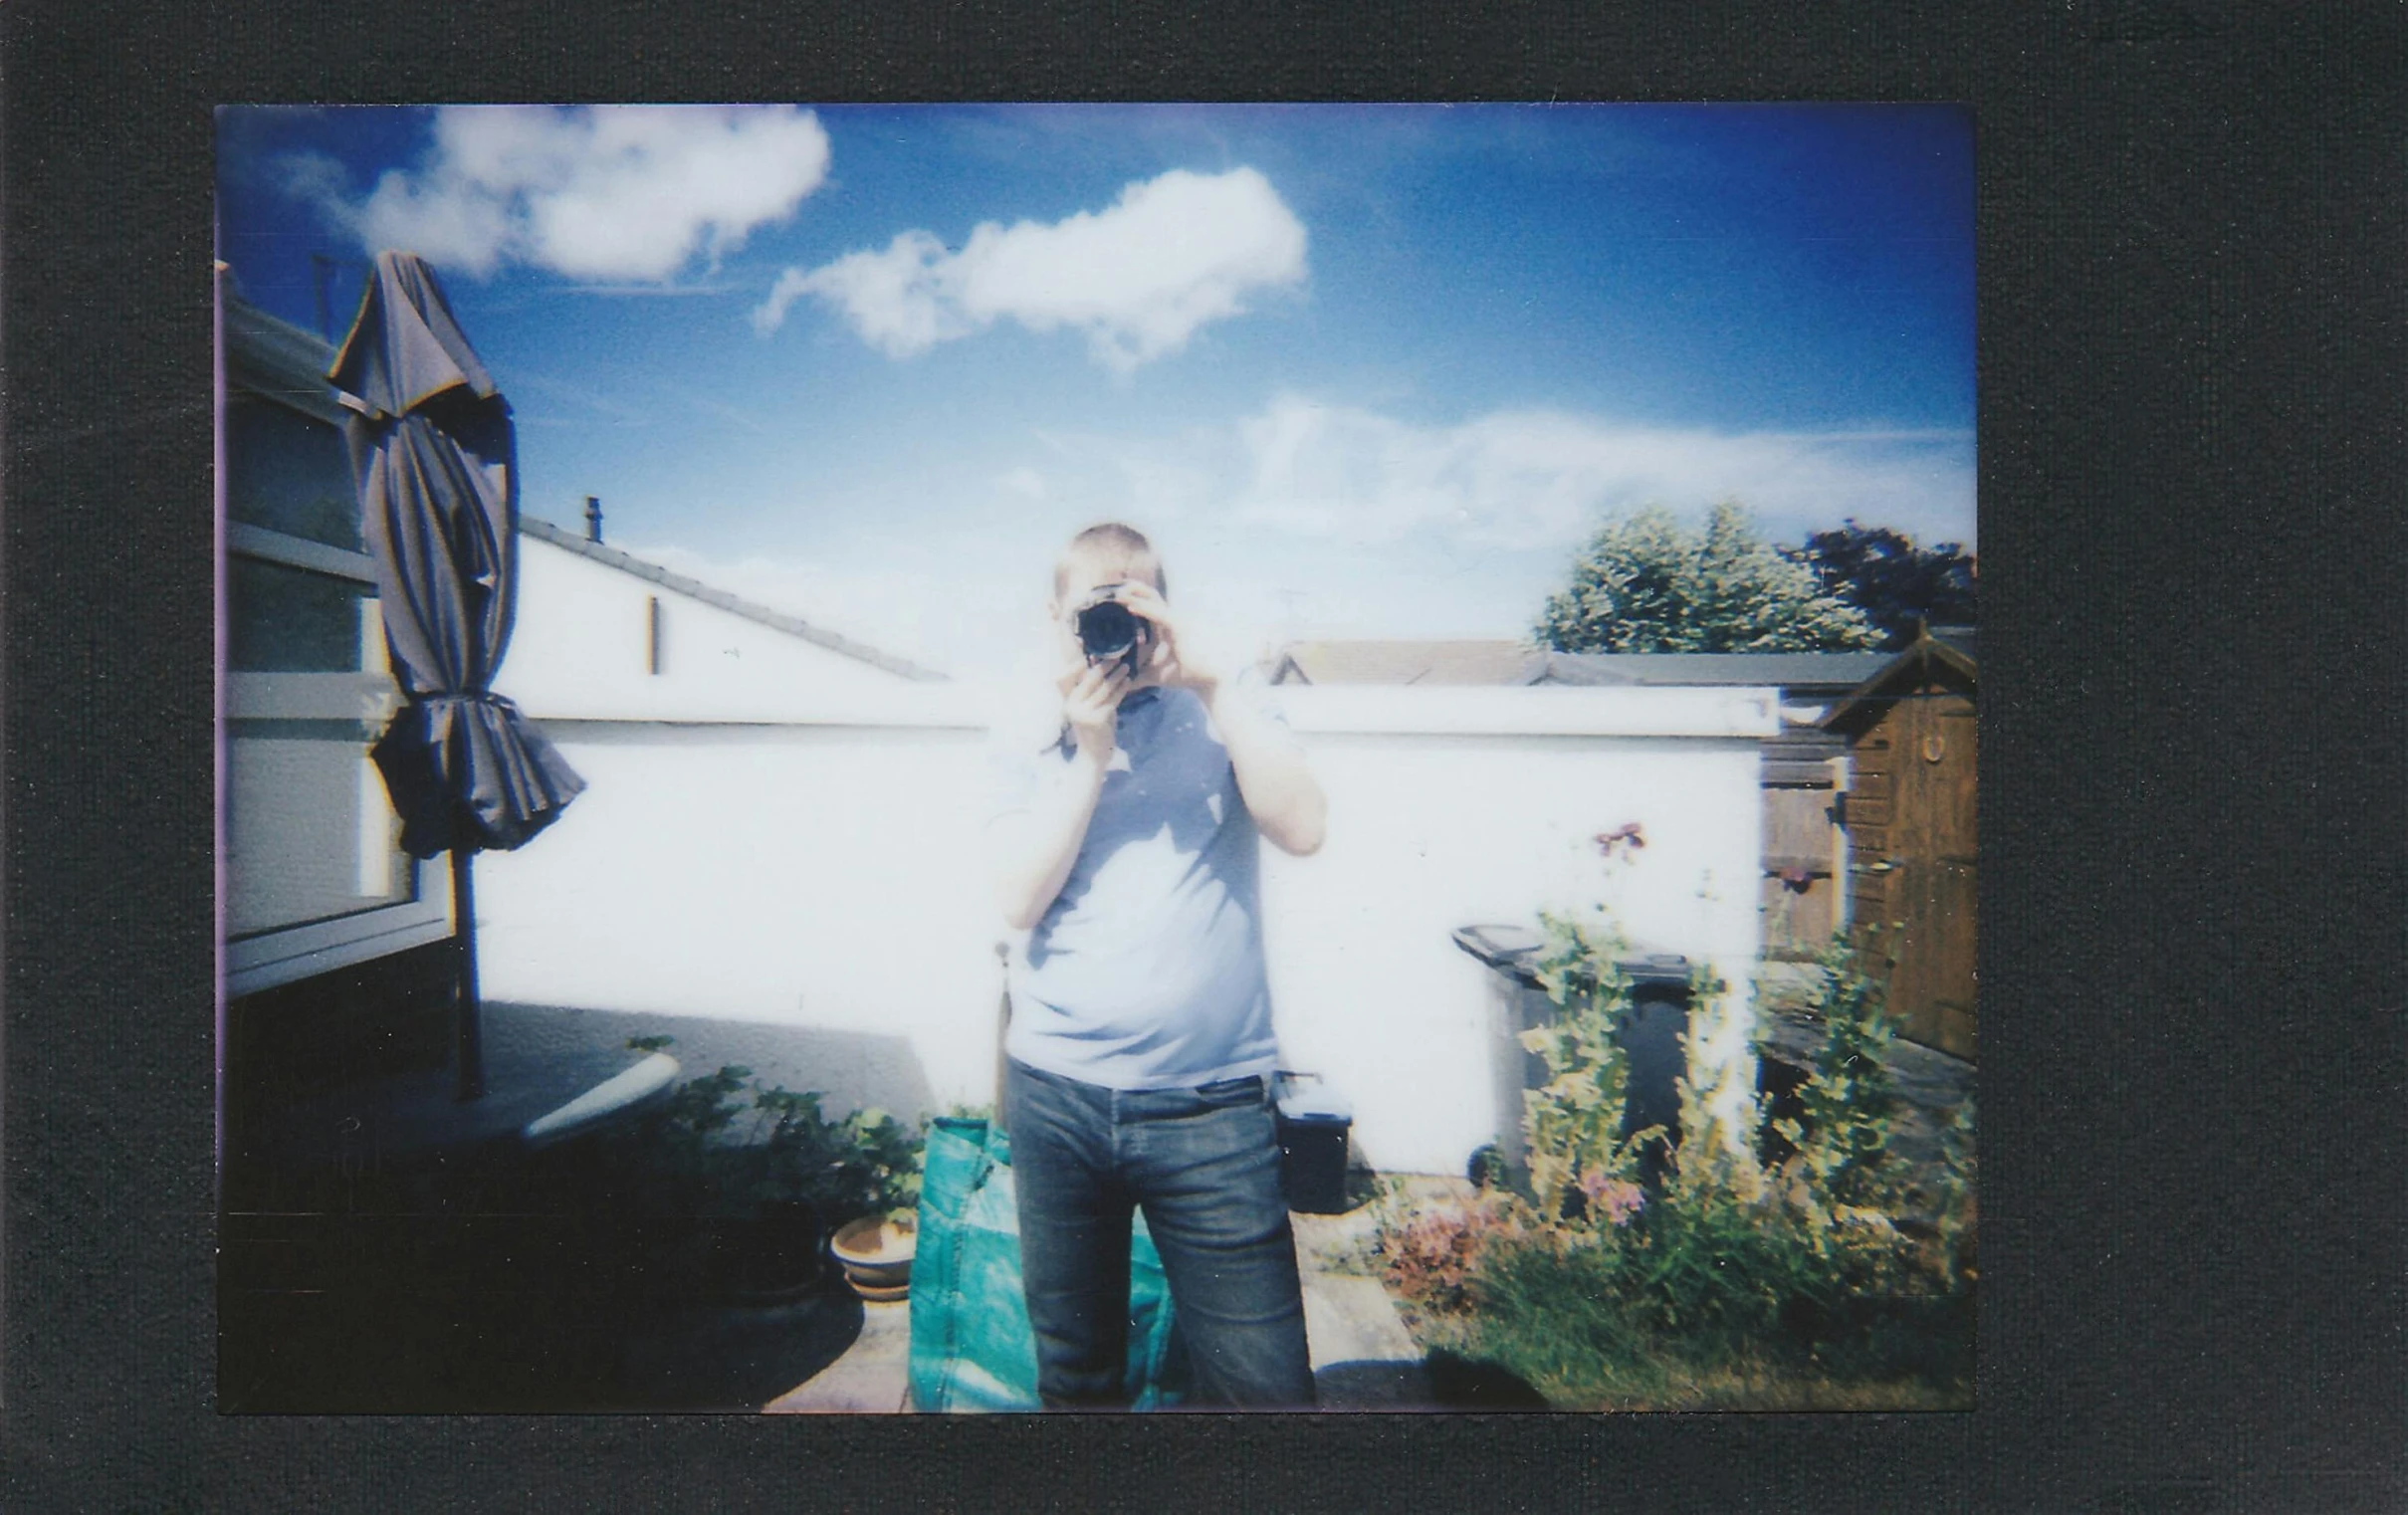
1360,370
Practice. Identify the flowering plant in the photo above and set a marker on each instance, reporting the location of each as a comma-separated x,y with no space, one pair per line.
1574,1121
1612,1200
1433,1256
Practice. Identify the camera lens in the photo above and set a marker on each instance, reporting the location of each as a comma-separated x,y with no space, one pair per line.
1107,630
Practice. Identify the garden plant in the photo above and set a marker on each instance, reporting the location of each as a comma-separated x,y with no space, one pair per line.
1827,1277
754,1175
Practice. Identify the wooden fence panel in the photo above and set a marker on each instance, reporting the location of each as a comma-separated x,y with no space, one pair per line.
1805,882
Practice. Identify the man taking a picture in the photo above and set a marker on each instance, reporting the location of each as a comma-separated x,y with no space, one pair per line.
1140,1054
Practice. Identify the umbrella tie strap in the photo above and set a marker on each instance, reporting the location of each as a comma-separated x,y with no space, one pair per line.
471,697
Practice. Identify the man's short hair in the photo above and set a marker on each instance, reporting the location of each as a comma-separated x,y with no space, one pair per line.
1111,545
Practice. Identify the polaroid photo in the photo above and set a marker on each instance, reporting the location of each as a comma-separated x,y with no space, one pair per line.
967,759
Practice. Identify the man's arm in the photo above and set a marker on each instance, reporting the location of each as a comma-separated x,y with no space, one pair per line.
1032,851
1279,789
1280,792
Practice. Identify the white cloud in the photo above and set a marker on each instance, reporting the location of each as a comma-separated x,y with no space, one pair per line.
1138,279
1521,480
311,176
592,192
896,299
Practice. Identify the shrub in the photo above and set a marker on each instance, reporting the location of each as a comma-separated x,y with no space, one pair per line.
1953,1254
1579,1152
726,1145
1430,1258
1595,1277
1842,1144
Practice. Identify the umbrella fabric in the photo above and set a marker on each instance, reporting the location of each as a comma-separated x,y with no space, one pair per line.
434,457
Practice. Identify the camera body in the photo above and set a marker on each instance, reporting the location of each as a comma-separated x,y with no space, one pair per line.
1109,630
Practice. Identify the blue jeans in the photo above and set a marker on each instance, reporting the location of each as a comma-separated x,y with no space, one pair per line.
1203,1164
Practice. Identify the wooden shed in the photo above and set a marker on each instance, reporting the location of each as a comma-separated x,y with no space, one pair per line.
1909,816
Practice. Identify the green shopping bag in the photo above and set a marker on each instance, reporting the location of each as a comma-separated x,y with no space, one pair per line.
972,1346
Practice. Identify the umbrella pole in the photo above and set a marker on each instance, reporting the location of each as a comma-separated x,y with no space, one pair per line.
468,1051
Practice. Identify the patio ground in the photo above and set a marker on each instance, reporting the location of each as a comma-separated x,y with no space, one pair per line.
1362,1357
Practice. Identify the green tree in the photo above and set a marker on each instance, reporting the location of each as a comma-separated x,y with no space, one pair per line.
1647,584
1893,580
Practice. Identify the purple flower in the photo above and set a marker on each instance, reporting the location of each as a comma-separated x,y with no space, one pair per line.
1615,1199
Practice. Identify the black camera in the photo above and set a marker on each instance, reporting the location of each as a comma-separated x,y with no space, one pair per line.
1107,630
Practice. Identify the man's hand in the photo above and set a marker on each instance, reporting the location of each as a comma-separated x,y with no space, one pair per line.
1175,661
1091,697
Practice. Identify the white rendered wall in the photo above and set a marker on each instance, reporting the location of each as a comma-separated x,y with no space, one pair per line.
804,875
807,873
1430,833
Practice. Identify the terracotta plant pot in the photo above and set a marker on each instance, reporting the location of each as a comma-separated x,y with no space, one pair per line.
876,1252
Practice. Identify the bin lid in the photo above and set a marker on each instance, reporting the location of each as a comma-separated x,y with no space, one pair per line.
1514,952
1315,1101
1510,950
1656,968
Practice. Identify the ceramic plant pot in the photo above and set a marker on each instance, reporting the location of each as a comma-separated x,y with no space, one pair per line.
876,1254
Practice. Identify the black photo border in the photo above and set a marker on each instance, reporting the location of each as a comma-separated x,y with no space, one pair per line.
2189,455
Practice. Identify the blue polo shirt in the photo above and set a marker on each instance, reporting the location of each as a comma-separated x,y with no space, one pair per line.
1146,972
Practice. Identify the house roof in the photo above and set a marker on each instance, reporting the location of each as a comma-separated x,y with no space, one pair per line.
1945,653
1502,662
678,584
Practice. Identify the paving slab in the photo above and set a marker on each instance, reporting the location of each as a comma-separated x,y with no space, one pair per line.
1362,1357
872,1376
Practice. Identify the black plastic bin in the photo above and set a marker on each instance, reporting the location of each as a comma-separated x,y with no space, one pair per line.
1315,1123
1650,1035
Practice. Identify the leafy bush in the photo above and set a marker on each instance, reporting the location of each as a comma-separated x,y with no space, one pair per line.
1592,1281
1580,1157
1843,1143
1586,1167
1954,1254
723,1145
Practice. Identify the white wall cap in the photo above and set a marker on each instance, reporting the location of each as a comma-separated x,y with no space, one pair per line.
936,706
1539,709
1535,711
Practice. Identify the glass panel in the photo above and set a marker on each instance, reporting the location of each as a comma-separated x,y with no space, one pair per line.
309,834
290,473
282,619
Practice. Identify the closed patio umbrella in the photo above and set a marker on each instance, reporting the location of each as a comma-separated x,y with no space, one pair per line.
434,458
